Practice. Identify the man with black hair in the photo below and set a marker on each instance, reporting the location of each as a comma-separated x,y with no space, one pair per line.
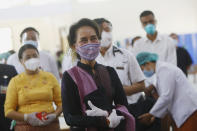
134,40
123,62
48,63
162,45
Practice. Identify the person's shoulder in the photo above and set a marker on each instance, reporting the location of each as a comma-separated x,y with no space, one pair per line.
165,37
46,74
110,69
182,49
140,41
44,53
6,67
19,77
8,70
13,57
127,54
166,67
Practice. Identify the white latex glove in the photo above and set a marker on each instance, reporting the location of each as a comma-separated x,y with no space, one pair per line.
95,111
50,118
114,119
32,119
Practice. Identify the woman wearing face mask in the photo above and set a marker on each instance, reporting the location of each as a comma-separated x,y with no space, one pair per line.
89,89
31,94
176,95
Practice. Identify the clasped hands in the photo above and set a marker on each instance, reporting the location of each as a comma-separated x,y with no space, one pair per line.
113,119
33,120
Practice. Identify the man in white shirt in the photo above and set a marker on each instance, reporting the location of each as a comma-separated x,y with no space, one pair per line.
123,62
162,45
31,36
176,95
131,76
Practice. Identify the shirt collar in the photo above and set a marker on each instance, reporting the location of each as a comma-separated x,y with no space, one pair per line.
110,49
86,67
108,52
158,38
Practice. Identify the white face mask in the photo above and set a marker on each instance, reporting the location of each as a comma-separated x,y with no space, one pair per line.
32,64
31,42
106,39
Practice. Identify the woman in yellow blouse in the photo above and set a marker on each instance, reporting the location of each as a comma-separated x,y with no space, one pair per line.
31,94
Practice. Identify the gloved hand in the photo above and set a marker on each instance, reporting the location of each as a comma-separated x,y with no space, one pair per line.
32,119
95,111
49,118
114,119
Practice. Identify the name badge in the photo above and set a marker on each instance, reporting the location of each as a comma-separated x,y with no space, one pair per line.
120,68
3,89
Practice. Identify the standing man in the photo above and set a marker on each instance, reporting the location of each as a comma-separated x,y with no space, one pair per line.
123,62
31,36
162,45
129,73
184,60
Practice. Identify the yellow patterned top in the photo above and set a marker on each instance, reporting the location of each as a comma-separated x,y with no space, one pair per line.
32,93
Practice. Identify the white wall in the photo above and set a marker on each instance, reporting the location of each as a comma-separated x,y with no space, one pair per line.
178,16
46,19
172,15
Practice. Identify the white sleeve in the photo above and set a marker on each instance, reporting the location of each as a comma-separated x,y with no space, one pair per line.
166,85
10,59
66,63
54,68
135,72
136,48
171,54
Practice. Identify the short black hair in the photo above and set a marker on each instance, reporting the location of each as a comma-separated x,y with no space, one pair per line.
28,29
100,21
134,39
74,28
146,13
24,48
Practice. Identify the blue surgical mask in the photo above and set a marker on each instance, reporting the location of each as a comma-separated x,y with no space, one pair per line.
150,29
31,42
148,73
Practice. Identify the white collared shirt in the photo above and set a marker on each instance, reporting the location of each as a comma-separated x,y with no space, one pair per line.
126,66
176,94
47,63
163,46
